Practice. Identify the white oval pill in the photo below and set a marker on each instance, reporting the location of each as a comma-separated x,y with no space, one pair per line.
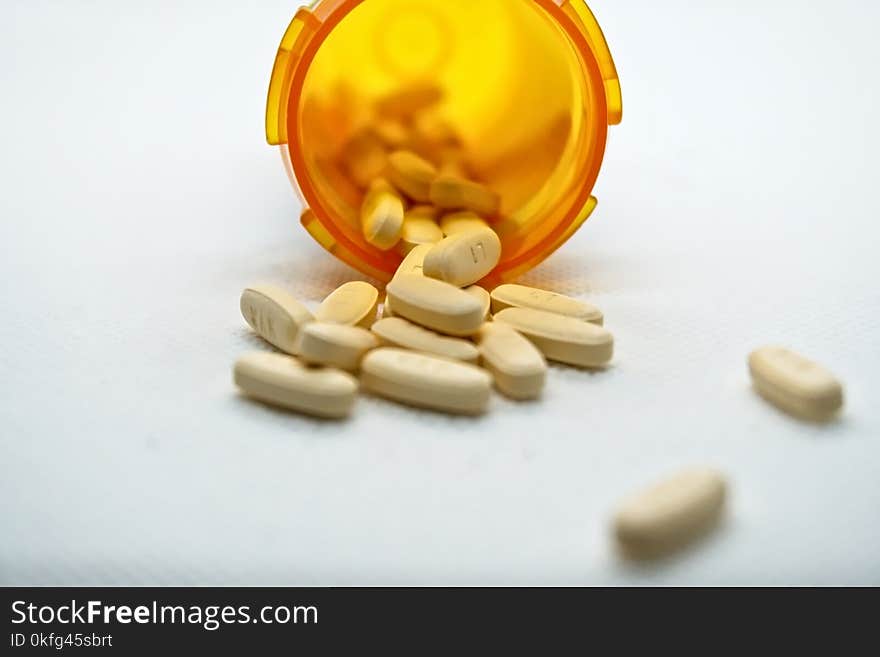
353,304
464,258
418,229
795,384
382,215
435,304
335,345
520,296
274,314
284,381
563,339
399,332
426,381
481,295
517,366
668,514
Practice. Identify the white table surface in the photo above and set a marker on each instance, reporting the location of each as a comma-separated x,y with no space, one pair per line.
738,207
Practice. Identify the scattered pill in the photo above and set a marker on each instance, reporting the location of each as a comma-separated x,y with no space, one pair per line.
520,296
335,345
382,215
452,192
283,381
464,258
518,368
274,314
399,332
411,174
426,381
669,514
353,304
795,384
563,339
435,304
481,295
414,261
418,229
461,222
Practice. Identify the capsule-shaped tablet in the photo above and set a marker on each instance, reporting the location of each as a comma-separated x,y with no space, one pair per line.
516,365
481,295
364,158
667,515
334,345
399,332
413,262
562,339
382,215
405,102
418,228
353,304
411,174
275,315
464,258
795,384
461,222
520,296
284,381
435,304
427,381
452,193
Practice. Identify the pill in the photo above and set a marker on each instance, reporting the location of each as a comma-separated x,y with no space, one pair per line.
464,258
435,304
520,296
668,514
795,384
335,345
516,365
481,295
426,381
418,229
391,132
405,102
353,304
364,158
461,222
411,174
559,338
414,261
274,314
452,192
284,381
399,332
382,215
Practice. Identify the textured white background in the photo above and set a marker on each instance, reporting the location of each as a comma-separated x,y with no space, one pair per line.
738,206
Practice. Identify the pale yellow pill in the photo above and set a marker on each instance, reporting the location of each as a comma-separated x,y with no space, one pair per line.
461,222
399,332
353,304
405,102
520,296
668,514
411,174
464,258
382,215
414,261
275,315
481,295
418,229
517,366
364,158
335,345
284,381
452,192
795,384
435,304
562,339
427,381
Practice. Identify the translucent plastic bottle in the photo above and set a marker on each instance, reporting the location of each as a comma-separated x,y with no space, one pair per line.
528,86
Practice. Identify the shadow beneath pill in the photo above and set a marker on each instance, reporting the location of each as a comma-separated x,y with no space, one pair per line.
300,424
